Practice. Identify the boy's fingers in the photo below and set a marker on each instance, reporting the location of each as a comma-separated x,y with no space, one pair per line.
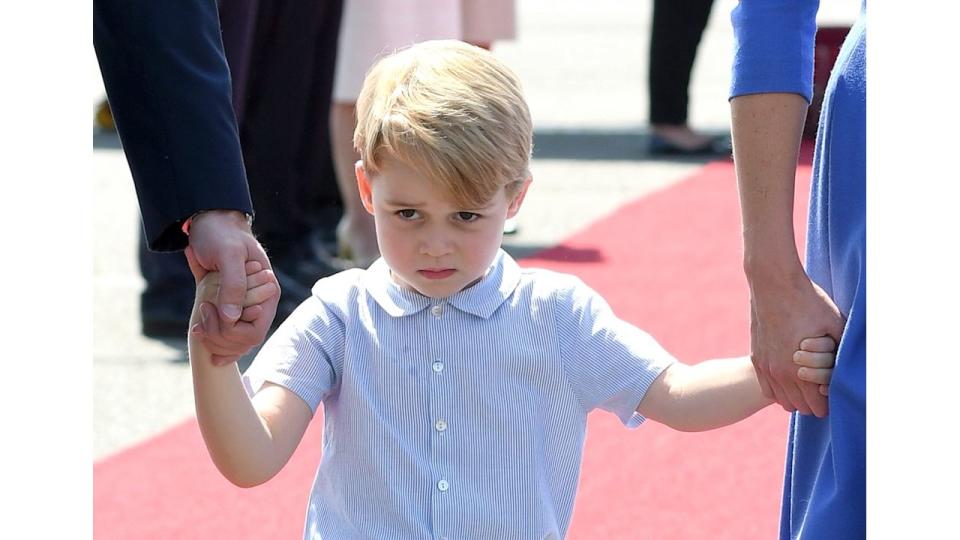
222,350
216,340
255,294
825,389
818,344
252,267
816,376
235,340
258,295
814,359
251,313
259,278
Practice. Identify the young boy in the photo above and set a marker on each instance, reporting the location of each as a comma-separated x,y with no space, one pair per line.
455,385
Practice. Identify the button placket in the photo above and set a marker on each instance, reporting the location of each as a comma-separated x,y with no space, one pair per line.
438,393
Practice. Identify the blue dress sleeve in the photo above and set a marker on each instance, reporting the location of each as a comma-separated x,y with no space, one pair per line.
773,47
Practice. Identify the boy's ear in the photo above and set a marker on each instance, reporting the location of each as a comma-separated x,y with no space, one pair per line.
518,198
363,184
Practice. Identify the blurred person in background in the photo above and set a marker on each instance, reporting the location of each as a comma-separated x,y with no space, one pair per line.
676,31
282,57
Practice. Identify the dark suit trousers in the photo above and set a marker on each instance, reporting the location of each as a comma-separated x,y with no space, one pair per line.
677,28
284,64
282,57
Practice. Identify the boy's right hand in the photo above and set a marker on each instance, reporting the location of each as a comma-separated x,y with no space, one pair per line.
261,285
259,308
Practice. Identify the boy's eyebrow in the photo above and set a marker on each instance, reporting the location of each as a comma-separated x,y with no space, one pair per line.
406,204
483,208
390,202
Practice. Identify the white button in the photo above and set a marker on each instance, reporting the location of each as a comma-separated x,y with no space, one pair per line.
443,485
437,367
441,425
437,310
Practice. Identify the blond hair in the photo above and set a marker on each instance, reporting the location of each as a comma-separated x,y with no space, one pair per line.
451,111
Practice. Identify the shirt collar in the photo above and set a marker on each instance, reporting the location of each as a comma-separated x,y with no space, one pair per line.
481,300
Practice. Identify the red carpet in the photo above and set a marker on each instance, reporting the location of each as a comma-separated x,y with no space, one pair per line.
670,263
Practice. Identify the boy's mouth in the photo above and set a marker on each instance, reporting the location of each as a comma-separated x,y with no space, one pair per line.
436,273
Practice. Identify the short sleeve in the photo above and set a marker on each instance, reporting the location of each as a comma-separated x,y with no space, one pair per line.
774,47
608,362
304,355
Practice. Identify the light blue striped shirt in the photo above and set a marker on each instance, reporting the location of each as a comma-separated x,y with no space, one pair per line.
462,417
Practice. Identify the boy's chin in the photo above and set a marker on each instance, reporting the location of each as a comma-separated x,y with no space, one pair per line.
430,290
436,290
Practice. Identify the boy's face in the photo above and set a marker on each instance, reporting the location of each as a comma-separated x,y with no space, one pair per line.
432,245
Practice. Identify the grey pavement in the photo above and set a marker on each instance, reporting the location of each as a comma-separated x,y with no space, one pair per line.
583,66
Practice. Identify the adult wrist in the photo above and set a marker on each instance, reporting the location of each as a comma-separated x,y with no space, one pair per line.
243,218
773,273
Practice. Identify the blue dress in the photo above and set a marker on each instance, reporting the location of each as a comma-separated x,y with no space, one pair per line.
824,493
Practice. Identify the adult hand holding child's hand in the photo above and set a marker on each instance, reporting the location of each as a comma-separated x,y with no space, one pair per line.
259,307
781,318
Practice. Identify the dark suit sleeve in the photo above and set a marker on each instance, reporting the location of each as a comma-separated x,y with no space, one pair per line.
168,86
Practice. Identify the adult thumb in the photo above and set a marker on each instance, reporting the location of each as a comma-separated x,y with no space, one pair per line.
233,287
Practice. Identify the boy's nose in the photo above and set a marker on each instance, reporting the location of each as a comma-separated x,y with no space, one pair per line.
436,245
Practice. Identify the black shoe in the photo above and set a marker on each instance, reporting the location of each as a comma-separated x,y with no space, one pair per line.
717,146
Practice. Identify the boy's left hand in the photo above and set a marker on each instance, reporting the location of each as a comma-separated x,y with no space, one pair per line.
816,359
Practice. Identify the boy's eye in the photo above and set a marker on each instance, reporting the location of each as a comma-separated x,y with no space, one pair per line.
407,213
467,216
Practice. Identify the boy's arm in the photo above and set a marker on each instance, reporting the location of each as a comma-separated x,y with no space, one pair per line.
711,394
716,393
249,440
